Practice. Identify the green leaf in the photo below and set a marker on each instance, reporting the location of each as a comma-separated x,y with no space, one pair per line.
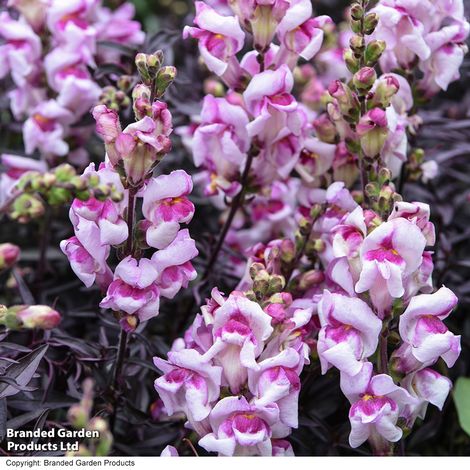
462,402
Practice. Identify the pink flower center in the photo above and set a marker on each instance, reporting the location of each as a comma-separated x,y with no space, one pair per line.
370,404
248,423
44,123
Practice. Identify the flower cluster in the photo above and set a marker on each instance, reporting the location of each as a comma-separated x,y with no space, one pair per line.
380,287
347,274
235,375
133,290
48,52
29,188
431,34
259,117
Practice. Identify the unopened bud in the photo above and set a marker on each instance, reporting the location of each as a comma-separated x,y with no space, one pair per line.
387,88
385,176
357,44
165,78
9,255
350,60
373,131
315,211
78,416
142,67
287,251
311,279
64,172
124,83
305,226
214,87
356,26
26,207
129,323
364,79
370,23
276,284
374,51
357,12
255,269
325,129
38,316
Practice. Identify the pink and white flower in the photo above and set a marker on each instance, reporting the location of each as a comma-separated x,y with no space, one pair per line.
349,334
134,289
377,403
221,143
427,386
46,129
268,98
173,264
166,206
21,50
389,254
239,428
422,329
240,329
89,266
220,38
299,33
277,381
189,384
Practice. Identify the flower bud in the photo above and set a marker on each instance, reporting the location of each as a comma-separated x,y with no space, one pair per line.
142,67
370,23
310,279
26,207
386,198
386,89
165,78
129,323
384,176
357,44
124,83
261,283
373,131
77,416
287,251
276,284
277,311
325,129
356,12
255,269
154,62
38,316
364,79
8,318
141,101
356,26
351,62
305,226
374,51
64,172
347,101
264,21
9,255
214,87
